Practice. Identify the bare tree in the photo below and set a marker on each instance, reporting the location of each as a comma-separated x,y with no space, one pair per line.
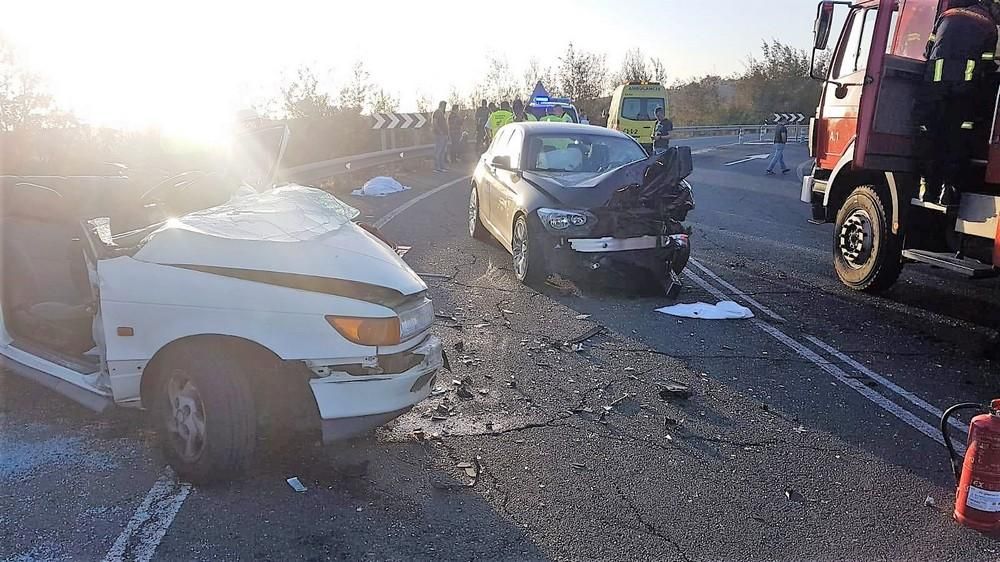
384,102
657,70
424,103
302,97
499,83
355,94
634,67
581,75
23,101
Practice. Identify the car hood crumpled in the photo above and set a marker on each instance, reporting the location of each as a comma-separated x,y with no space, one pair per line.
289,229
586,190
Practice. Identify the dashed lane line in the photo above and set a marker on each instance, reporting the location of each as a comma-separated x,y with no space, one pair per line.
151,520
396,212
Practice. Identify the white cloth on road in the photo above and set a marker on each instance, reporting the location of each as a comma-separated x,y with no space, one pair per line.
725,310
380,187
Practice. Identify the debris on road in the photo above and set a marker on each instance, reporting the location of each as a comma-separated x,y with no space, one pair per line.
929,502
295,484
794,496
582,316
674,389
460,346
579,466
725,310
379,187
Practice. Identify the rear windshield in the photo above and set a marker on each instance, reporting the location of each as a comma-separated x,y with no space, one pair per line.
580,153
641,109
539,112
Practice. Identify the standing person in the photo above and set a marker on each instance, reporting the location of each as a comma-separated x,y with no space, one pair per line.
482,116
661,133
456,122
499,118
960,58
558,115
780,138
440,127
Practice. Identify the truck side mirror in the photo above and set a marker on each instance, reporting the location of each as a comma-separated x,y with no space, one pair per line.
823,25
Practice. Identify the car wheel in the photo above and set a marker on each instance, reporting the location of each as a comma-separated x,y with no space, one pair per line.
206,414
867,255
529,266
476,228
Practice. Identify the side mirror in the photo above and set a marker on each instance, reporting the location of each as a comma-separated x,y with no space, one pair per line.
501,162
823,25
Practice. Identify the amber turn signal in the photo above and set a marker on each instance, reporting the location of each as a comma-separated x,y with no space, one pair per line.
367,331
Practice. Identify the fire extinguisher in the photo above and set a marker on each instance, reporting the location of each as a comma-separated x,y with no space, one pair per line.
977,501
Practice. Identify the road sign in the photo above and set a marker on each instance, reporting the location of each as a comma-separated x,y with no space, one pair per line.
791,118
398,120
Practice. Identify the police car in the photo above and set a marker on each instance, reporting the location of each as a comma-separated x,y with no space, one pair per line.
542,106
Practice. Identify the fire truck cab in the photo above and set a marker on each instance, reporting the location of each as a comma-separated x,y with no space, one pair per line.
866,177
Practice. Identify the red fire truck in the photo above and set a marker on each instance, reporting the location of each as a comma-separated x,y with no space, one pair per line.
866,178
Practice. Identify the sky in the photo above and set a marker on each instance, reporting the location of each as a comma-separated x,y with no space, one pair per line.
191,66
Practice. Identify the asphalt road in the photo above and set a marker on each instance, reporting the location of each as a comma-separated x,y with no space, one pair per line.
806,436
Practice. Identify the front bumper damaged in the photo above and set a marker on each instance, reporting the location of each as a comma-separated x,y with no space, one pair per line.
351,405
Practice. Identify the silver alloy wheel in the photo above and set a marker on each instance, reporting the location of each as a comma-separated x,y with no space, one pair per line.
473,212
519,247
856,239
185,418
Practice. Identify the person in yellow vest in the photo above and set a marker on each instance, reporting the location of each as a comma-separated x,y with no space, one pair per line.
558,115
499,118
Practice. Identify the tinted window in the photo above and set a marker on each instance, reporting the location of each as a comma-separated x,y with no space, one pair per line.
579,153
641,109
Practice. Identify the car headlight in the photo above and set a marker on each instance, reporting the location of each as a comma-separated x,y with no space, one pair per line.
562,220
367,331
415,320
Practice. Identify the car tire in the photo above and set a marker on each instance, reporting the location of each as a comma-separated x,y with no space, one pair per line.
867,255
527,252
476,228
205,413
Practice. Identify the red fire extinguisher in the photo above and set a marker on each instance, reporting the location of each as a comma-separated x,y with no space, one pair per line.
977,502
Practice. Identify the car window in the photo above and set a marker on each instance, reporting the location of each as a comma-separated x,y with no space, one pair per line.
641,109
854,55
499,141
579,153
513,147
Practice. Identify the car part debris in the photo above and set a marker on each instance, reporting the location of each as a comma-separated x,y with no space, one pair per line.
582,316
295,484
794,496
464,393
670,390
929,502
725,310
583,337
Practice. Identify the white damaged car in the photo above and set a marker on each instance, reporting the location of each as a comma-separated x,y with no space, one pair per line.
271,312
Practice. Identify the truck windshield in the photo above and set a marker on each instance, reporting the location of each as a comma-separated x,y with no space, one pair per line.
580,153
641,109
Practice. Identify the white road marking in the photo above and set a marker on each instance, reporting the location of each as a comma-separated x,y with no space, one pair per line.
836,372
745,297
395,212
151,520
748,159
909,396
839,374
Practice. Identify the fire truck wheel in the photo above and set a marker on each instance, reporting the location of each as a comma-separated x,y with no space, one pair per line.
866,253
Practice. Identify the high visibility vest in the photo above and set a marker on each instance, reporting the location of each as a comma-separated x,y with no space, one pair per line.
498,119
564,119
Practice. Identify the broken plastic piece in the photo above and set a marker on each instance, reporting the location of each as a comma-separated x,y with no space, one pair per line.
674,390
725,310
295,484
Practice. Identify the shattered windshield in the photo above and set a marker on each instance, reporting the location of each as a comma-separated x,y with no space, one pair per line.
580,153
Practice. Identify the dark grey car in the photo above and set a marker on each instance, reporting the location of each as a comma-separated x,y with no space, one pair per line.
563,197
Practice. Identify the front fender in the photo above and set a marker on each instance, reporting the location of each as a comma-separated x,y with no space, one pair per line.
844,178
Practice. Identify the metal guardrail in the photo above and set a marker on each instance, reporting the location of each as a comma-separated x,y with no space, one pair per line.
339,166
745,133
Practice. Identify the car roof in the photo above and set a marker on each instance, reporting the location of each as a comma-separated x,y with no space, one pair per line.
555,127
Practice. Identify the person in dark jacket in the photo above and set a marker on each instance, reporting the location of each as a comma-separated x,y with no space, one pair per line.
482,116
780,140
661,132
456,122
440,128
951,112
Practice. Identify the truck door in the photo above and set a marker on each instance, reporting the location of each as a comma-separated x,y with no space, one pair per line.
895,68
